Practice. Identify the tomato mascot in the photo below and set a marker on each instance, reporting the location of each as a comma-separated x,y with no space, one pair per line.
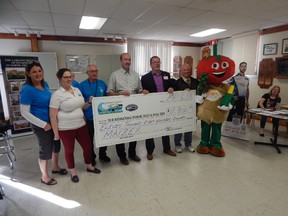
215,100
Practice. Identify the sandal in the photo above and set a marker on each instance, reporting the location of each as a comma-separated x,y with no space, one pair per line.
60,172
52,181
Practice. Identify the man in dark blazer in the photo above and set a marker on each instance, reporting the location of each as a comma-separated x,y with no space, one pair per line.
185,82
157,81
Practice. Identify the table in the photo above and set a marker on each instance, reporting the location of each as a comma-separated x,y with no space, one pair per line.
284,106
278,114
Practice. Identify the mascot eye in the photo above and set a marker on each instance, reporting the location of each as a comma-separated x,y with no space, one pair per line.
225,65
215,65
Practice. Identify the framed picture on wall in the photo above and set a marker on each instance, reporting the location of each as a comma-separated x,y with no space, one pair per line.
270,49
77,63
285,46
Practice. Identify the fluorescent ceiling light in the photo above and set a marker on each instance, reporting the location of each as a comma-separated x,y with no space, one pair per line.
208,32
89,22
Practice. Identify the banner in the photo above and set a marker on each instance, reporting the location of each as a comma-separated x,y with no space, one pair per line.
121,119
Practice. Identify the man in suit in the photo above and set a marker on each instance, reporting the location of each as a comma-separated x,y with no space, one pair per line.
185,82
157,81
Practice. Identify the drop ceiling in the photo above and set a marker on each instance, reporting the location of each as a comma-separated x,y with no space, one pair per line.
172,20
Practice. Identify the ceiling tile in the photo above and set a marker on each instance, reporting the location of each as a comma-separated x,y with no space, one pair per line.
114,25
181,16
11,17
100,8
37,18
4,30
157,13
6,4
68,7
131,9
31,5
66,21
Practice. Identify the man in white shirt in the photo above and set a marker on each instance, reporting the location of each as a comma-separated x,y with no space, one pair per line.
125,82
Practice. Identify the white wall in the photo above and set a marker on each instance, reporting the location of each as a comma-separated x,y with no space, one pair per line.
81,49
186,51
267,39
10,47
245,48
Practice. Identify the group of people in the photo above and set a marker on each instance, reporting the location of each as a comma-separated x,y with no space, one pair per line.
67,114
270,100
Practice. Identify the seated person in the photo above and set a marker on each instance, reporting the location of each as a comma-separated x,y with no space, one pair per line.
269,101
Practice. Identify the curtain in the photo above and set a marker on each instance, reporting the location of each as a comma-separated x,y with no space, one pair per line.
142,50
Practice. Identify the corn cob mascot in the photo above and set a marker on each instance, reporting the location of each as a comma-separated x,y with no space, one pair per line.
215,100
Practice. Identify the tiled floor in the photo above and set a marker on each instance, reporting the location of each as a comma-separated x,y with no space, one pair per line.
251,180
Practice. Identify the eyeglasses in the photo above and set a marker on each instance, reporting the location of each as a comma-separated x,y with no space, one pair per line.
93,71
67,77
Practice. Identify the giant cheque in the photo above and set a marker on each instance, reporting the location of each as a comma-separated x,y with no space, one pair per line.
121,119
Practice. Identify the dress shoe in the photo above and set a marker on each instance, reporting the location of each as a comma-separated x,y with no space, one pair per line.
96,171
149,156
75,178
169,152
124,161
135,158
105,159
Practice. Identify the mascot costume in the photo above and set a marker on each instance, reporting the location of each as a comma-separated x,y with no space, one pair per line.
215,100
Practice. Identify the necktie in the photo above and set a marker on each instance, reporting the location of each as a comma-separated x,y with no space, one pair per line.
188,81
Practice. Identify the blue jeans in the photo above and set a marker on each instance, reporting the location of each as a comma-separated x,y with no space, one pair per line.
187,139
263,121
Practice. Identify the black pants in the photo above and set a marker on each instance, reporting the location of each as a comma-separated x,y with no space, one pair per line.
102,150
238,108
120,148
150,144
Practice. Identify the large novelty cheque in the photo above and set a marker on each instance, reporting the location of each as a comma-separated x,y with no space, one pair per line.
121,119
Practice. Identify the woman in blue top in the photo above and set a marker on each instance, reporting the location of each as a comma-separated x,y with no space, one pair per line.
34,105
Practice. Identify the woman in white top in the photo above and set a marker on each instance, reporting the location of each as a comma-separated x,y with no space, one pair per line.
67,120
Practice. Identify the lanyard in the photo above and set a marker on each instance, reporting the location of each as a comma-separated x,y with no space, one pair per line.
94,93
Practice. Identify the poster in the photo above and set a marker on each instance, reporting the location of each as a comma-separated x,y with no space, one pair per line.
13,74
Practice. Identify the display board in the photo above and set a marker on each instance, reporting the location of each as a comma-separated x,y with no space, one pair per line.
13,71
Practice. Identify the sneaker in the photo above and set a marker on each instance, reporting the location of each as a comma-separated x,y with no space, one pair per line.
190,149
178,149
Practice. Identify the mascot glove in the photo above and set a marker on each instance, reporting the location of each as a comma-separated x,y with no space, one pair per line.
199,99
225,108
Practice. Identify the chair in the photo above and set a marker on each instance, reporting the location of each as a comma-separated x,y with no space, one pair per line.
6,148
